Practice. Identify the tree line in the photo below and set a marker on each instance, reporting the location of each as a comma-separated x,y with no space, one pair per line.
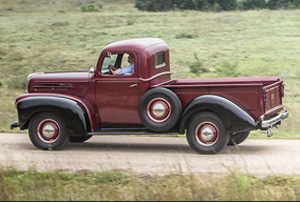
215,5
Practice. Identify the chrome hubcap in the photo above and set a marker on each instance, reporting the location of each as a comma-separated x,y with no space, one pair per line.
207,133
48,131
158,110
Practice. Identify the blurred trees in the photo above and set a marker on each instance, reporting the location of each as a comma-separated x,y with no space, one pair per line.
215,5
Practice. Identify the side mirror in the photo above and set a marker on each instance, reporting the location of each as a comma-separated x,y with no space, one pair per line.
108,55
92,70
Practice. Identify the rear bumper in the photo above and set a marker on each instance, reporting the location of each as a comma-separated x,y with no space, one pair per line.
14,125
273,121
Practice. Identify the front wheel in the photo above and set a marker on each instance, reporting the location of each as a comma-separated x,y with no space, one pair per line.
47,131
206,133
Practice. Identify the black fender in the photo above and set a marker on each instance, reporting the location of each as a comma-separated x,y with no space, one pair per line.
233,116
72,112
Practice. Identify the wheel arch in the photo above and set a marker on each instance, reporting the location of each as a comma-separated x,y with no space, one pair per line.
233,116
74,112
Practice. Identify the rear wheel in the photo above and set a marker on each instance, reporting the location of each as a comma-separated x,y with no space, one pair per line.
238,138
206,133
47,131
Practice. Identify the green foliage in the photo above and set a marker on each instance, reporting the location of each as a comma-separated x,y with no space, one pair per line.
196,67
130,22
17,82
228,69
154,5
252,4
215,5
227,5
89,8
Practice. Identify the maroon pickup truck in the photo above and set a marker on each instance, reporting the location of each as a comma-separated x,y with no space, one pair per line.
62,107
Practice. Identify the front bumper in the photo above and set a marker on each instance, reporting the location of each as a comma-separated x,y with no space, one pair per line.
266,124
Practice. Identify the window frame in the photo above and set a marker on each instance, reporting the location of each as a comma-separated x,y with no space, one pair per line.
163,60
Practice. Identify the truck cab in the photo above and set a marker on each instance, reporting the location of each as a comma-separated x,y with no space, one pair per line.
117,96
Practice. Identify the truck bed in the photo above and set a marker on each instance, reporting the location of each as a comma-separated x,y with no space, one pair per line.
256,95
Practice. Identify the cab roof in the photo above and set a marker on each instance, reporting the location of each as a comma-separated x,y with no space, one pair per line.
134,44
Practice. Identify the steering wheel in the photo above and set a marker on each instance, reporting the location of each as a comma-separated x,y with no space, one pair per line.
110,68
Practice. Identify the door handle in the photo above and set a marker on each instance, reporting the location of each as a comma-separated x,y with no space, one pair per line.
133,85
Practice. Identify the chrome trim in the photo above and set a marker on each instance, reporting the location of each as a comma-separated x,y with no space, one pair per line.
273,121
133,85
155,76
53,87
163,83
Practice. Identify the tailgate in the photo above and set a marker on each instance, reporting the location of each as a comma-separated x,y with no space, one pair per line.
273,98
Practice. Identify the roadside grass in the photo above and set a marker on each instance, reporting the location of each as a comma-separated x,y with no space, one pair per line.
119,185
57,36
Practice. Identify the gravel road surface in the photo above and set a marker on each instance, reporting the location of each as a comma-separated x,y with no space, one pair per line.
152,156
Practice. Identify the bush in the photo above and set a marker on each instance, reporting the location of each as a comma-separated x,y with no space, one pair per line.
185,35
89,8
283,4
252,4
228,69
17,82
227,5
196,67
154,5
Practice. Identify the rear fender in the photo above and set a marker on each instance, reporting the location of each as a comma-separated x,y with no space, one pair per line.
73,112
233,116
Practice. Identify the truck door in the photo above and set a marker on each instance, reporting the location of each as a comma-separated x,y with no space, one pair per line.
117,95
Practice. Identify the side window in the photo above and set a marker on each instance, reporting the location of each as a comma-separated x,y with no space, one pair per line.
160,60
108,60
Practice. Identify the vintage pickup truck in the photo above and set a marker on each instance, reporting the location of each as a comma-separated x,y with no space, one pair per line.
62,107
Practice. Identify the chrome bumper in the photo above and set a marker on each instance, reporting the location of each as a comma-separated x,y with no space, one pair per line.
273,121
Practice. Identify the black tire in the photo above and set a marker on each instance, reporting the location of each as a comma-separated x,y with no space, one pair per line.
238,138
80,138
206,133
159,109
47,131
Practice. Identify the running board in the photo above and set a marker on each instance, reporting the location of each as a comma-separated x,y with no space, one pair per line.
129,131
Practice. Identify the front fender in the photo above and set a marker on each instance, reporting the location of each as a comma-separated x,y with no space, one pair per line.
73,112
233,116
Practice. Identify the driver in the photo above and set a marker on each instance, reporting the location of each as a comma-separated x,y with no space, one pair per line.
126,70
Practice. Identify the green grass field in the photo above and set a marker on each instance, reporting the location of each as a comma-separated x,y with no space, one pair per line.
38,36
50,35
125,186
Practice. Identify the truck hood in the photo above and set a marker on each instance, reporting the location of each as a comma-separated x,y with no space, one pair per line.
74,83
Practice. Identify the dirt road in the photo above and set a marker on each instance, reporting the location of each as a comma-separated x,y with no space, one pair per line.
152,155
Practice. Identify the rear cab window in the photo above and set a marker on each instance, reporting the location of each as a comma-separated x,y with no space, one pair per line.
160,60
